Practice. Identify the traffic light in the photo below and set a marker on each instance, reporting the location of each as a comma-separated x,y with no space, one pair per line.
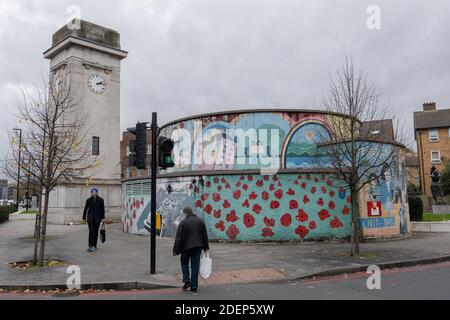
141,145
138,147
165,147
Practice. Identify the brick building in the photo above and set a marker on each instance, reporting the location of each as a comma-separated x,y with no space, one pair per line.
412,168
432,134
127,171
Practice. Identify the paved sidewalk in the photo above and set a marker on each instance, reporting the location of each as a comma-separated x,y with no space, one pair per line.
125,258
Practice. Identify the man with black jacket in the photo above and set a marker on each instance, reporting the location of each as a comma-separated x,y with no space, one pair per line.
94,213
190,240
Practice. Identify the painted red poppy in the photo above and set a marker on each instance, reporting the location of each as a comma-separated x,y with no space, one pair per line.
295,182
269,222
308,177
226,204
323,189
220,226
196,189
242,178
280,184
249,220
253,195
279,194
216,197
293,204
208,184
204,197
313,190
290,192
349,199
250,178
302,231
238,184
305,199
324,214
267,232
208,209
223,180
320,202
266,178
217,213
219,188
272,187
302,216
245,186
345,210
329,182
303,185
275,178
331,205
257,208
232,217
312,225
265,195
316,179
216,180
232,232
286,220
332,193
336,223
299,176
274,204
246,203
259,183
198,204
227,186
237,194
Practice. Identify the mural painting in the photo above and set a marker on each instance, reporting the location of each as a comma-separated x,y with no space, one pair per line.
238,204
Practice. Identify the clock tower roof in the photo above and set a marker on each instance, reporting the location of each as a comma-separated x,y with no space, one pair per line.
88,34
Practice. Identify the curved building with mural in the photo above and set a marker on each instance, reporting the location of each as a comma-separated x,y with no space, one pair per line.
262,175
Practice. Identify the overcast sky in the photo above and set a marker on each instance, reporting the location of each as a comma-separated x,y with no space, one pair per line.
196,56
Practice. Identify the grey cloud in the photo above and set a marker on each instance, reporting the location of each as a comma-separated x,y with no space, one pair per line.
195,56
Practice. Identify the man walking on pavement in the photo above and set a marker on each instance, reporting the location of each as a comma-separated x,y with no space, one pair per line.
94,213
190,240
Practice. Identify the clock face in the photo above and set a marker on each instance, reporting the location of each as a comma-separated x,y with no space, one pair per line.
97,83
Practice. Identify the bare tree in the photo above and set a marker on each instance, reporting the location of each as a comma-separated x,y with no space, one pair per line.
55,142
364,144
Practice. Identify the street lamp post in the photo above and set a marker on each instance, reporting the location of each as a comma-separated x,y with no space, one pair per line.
18,167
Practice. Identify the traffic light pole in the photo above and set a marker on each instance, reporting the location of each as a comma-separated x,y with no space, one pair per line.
154,130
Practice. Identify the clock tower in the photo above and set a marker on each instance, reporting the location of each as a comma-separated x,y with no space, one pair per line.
88,57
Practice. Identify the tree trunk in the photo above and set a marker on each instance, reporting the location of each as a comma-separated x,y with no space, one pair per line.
43,230
37,231
355,225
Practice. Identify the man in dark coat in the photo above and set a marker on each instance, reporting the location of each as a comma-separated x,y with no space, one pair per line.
94,213
190,240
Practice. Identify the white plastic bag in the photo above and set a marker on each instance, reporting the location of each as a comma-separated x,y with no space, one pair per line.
205,266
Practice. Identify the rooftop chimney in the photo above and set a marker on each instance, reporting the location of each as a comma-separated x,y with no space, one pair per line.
429,106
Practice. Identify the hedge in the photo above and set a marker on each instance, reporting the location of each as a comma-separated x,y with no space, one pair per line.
415,203
5,211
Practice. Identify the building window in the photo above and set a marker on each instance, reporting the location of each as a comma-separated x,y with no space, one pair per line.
128,174
433,134
128,151
149,148
95,146
435,157
139,173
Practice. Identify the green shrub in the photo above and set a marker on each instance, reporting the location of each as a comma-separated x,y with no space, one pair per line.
5,211
445,179
415,209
